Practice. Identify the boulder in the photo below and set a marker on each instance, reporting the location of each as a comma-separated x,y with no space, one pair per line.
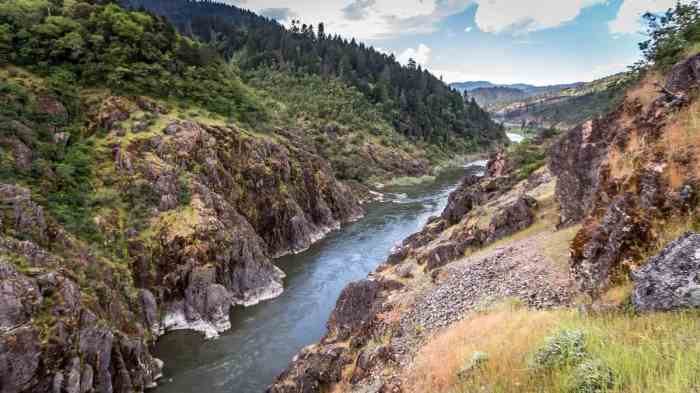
444,253
671,279
354,307
513,218
463,200
684,75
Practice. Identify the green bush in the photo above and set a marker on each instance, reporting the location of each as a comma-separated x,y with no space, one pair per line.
565,348
592,376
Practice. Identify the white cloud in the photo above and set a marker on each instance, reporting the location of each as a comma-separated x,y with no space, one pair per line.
629,19
421,55
522,16
366,19
375,19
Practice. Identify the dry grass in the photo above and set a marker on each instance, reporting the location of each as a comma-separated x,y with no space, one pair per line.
506,335
657,353
646,91
681,141
557,246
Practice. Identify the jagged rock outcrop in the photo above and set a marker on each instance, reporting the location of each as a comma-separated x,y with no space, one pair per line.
53,336
475,216
463,199
356,315
671,279
626,174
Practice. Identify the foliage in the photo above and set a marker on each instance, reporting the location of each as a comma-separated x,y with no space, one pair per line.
414,101
671,34
526,157
565,348
61,174
328,100
131,52
592,376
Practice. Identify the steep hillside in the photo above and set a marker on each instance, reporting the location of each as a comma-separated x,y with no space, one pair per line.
524,87
415,102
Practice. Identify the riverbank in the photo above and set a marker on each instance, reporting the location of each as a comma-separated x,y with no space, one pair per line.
274,330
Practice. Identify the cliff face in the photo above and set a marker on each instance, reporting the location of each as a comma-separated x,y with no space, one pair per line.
69,320
185,213
630,175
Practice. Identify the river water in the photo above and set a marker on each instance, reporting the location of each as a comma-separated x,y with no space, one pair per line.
264,338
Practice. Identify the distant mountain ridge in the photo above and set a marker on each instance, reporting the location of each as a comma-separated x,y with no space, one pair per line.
527,88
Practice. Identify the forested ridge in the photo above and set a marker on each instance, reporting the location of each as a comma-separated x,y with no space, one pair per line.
417,103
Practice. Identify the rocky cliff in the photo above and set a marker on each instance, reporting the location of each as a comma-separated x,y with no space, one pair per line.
630,176
175,219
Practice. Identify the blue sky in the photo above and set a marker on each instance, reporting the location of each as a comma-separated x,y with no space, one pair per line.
503,41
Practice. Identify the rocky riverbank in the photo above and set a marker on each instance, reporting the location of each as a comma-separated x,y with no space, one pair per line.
614,192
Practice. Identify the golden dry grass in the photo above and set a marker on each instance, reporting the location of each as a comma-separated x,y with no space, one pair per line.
658,352
506,335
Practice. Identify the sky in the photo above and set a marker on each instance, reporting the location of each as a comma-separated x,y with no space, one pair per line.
501,41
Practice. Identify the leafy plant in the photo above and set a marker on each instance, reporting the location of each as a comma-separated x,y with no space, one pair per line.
565,348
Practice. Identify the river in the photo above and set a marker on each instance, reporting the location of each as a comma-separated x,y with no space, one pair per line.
264,338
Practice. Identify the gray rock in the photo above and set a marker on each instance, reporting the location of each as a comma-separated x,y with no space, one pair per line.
96,345
19,360
24,216
670,280
149,311
512,219
72,382
405,270
353,310
684,75
19,297
87,379
463,200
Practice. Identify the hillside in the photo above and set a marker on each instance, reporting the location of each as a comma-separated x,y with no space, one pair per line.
147,184
527,108
524,87
489,97
413,101
570,266
562,109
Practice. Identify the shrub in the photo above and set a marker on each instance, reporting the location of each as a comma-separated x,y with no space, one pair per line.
185,195
592,376
565,348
